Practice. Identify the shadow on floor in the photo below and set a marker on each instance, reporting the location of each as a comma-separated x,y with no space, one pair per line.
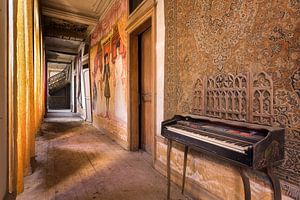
76,161
52,130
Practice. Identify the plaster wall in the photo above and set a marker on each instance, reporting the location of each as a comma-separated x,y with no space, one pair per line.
160,62
109,78
3,95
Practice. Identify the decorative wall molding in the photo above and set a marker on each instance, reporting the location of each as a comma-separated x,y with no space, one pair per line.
261,109
140,13
60,14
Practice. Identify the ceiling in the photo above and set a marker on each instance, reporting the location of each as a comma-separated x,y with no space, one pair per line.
57,66
88,8
55,57
64,29
62,45
68,23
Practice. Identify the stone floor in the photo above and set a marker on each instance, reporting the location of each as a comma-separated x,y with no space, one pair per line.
76,161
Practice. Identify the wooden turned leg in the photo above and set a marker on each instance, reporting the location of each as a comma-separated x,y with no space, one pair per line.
275,183
169,167
186,149
246,182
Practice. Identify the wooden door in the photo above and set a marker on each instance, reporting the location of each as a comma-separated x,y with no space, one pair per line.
74,94
87,96
146,92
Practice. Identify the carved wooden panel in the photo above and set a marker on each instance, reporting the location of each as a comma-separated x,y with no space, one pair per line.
227,97
235,97
198,99
261,110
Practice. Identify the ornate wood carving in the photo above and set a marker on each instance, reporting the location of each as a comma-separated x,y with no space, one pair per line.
226,97
198,100
261,109
235,97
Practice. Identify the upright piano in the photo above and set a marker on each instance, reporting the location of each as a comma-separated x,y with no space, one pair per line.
243,144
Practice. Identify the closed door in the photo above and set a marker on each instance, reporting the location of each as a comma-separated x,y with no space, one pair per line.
86,77
146,83
74,94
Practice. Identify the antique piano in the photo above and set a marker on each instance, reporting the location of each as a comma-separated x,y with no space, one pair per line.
244,144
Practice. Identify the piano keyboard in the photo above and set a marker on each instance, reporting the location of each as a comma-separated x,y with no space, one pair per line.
243,144
228,143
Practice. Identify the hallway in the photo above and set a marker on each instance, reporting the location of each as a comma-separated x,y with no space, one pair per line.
76,161
121,99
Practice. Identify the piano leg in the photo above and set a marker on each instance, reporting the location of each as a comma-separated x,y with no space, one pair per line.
246,182
169,167
186,149
275,183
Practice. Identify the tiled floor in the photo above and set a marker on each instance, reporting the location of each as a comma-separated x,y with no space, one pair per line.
76,161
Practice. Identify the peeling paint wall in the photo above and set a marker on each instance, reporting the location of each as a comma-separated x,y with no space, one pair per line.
108,72
218,178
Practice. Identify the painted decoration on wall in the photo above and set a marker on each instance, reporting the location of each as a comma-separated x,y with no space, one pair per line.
206,38
109,71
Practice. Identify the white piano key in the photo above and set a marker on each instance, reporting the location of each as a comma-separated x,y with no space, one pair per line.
211,140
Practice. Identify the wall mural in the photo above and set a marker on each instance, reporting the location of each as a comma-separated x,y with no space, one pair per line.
210,37
109,71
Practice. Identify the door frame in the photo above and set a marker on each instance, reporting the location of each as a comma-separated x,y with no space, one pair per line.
87,94
11,100
4,98
141,19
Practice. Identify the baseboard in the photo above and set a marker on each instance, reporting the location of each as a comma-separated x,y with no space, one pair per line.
10,196
116,138
192,188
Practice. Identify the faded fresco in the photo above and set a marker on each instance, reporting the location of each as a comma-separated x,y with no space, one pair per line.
109,71
208,38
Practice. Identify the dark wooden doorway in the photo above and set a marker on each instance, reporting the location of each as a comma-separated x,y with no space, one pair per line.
142,87
146,92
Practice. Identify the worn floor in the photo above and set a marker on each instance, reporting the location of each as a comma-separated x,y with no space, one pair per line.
76,161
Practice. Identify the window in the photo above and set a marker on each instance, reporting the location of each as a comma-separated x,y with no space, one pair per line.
133,4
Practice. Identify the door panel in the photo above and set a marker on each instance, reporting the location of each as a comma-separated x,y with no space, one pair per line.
86,77
146,92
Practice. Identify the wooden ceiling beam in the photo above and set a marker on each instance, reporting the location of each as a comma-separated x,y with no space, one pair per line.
69,16
59,61
63,52
61,49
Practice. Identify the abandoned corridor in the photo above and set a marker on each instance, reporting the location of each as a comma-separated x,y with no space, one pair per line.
76,161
